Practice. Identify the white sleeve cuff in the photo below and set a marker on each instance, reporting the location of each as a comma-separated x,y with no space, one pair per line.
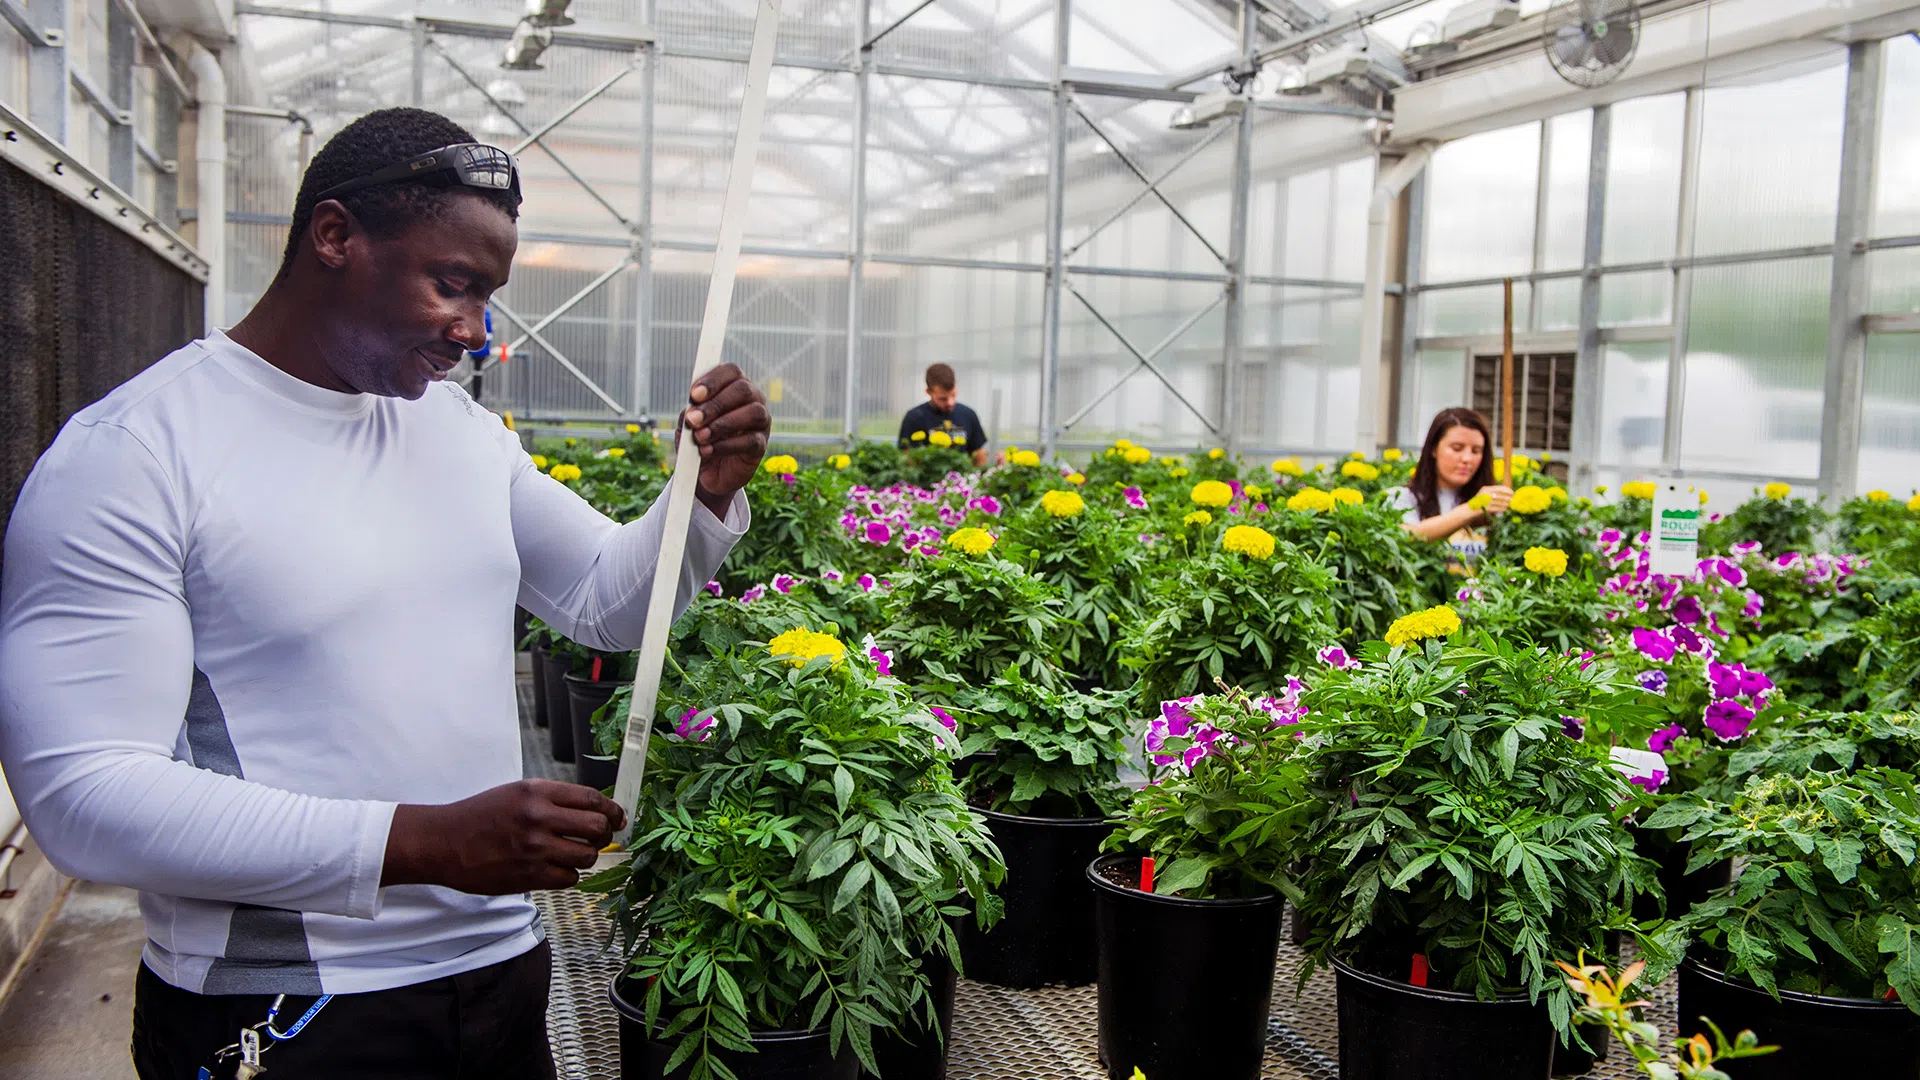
369,860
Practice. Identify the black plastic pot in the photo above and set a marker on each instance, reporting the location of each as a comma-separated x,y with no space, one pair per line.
1391,1030
1817,1036
1184,984
584,698
916,1054
1570,1060
1046,937
560,728
781,1055
539,657
1681,889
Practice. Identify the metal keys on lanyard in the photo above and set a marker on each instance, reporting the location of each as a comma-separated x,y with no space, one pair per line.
249,1066
249,1048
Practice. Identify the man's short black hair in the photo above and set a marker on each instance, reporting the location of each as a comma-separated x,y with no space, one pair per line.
376,140
939,377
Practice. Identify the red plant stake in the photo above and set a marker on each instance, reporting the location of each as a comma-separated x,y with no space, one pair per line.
1146,874
596,668
1419,977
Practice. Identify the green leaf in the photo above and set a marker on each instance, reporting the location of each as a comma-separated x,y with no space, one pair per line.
842,786
1185,873
833,859
850,886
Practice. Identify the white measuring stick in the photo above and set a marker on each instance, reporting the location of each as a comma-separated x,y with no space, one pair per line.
686,468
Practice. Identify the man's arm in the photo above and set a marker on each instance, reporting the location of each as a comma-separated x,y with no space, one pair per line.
907,428
96,666
976,437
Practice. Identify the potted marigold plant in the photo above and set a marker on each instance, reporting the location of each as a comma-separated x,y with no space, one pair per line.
1246,613
1535,599
1817,940
1188,911
1082,550
1377,563
1773,518
973,614
1464,841
799,850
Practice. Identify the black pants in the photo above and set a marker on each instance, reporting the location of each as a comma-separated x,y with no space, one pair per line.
489,1024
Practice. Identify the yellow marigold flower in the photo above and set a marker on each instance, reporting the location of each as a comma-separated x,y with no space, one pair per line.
1637,489
1876,495
633,429
1703,497
1249,540
1346,496
1076,479
1913,504
507,419
1480,501
1522,463
1122,444
1549,561
959,438
616,451
1777,491
781,465
918,436
1287,466
1434,622
940,438
1530,500
1600,490
1024,457
1198,517
1063,503
571,441
1557,493
1178,472
1499,470
1312,500
1216,454
564,472
1254,491
1390,454
1360,470
1169,461
797,647
840,461
1211,493
540,461
973,541
1357,455
1137,455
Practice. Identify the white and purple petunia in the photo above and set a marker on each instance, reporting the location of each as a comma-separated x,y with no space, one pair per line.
1336,657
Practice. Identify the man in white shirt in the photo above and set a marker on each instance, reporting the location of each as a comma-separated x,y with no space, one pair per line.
255,641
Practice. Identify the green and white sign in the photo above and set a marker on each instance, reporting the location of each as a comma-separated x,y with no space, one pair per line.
1676,529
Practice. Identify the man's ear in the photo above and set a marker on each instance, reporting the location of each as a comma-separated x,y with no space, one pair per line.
329,232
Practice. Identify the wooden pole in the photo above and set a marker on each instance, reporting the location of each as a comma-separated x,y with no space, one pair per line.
686,469
1506,384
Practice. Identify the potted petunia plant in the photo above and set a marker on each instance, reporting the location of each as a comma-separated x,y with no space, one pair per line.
1464,841
799,850
1188,908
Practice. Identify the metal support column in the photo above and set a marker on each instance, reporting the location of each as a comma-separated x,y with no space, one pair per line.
120,137
857,221
1408,427
640,398
168,102
1584,439
1683,279
1846,334
418,32
48,70
1056,232
1233,373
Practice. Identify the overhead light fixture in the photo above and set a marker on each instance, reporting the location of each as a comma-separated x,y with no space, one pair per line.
523,52
550,12
1205,109
506,92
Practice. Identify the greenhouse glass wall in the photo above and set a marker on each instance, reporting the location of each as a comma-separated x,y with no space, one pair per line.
1715,255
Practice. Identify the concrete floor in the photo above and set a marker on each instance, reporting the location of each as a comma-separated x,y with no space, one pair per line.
70,1015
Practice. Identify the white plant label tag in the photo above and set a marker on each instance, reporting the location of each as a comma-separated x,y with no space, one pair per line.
1676,530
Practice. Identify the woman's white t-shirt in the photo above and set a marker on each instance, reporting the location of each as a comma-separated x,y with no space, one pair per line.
1468,543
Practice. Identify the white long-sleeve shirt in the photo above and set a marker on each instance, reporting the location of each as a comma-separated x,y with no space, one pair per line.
242,617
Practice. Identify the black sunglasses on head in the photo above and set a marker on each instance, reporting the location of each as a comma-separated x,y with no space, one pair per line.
474,165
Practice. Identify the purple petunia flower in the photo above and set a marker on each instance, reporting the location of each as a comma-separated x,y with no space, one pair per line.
753,594
940,714
865,581
1135,498
1787,561
692,725
1654,682
784,583
1755,604
1653,644
1610,537
714,588
1336,657
1650,783
1728,719
878,533
832,575
789,479
1664,738
1573,727
1687,611
986,504
1689,639
1745,547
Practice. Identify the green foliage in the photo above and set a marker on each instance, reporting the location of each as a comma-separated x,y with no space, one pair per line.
1603,1004
1827,900
1836,649
1097,563
1459,821
1234,824
1870,526
1507,600
1378,565
973,618
926,465
1222,616
1041,751
1630,514
792,862
876,464
1020,486
1779,525
1829,742
1563,525
796,529
1890,652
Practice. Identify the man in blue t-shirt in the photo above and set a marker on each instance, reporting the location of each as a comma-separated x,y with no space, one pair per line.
944,413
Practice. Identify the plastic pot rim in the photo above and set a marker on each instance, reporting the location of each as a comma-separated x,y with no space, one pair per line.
1342,967
1029,820
1797,997
638,1014
1226,904
584,681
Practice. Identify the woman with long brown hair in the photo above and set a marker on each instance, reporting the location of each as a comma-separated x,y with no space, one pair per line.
1454,466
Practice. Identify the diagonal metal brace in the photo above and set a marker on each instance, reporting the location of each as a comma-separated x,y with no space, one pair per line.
1141,174
1145,360
566,113
557,355
525,130
571,302
1153,187
1165,342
